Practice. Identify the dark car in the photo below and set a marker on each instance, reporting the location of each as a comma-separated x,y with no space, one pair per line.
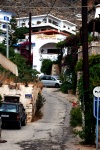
13,114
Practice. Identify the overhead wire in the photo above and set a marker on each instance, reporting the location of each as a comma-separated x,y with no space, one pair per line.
49,7
63,7
50,10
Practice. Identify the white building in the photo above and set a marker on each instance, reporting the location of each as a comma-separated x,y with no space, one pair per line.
47,31
4,20
97,11
42,22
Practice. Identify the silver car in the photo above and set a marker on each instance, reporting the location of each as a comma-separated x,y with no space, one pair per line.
51,81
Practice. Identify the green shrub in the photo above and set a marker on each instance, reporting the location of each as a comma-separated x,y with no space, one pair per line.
46,66
40,101
76,117
65,87
88,133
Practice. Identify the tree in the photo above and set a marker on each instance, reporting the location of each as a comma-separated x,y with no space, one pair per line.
3,50
60,45
72,43
12,26
94,80
20,32
46,66
13,23
25,52
26,73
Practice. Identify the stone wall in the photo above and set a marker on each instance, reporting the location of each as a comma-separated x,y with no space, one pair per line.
28,95
93,49
55,69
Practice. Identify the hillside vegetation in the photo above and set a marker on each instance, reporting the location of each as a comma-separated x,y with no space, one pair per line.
64,9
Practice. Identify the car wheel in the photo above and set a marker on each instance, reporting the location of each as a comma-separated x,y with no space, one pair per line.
19,125
57,85
24,122
2,126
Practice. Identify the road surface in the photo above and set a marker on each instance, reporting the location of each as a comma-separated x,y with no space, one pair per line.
52,132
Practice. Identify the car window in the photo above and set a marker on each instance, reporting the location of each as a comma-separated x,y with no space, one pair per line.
53,78
57,77
20,108
48,78
8,108
45,78
42,78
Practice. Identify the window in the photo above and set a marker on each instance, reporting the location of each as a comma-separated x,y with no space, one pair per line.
8,108
53,79
35,66
38,22
23,24
48,78
20,108
45,20
43,78
55,23
4,26
6,18
50,21
54,51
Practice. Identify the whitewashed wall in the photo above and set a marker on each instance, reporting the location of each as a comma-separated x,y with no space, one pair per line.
22,91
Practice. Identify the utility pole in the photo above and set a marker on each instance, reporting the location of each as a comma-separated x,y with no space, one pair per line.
7,40
86,99
29,38
85,50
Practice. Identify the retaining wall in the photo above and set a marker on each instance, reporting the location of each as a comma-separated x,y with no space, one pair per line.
28,95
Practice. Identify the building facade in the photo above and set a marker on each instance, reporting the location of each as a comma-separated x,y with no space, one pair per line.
46,32
97,11
5,18
42,22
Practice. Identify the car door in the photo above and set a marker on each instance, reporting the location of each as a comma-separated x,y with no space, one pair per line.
44,80
51,81
22,112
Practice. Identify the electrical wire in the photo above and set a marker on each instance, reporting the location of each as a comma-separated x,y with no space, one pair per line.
49,10
67,7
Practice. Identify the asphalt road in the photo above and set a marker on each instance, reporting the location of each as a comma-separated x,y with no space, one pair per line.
52,132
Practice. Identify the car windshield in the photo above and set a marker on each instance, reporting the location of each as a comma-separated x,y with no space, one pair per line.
57,77
8,108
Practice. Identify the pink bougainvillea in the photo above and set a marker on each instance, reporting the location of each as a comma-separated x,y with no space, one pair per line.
24,51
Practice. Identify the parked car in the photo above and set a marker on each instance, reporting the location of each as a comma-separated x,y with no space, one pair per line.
51,81
13,114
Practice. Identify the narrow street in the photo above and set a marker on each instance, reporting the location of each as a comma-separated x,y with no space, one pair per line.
52,132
